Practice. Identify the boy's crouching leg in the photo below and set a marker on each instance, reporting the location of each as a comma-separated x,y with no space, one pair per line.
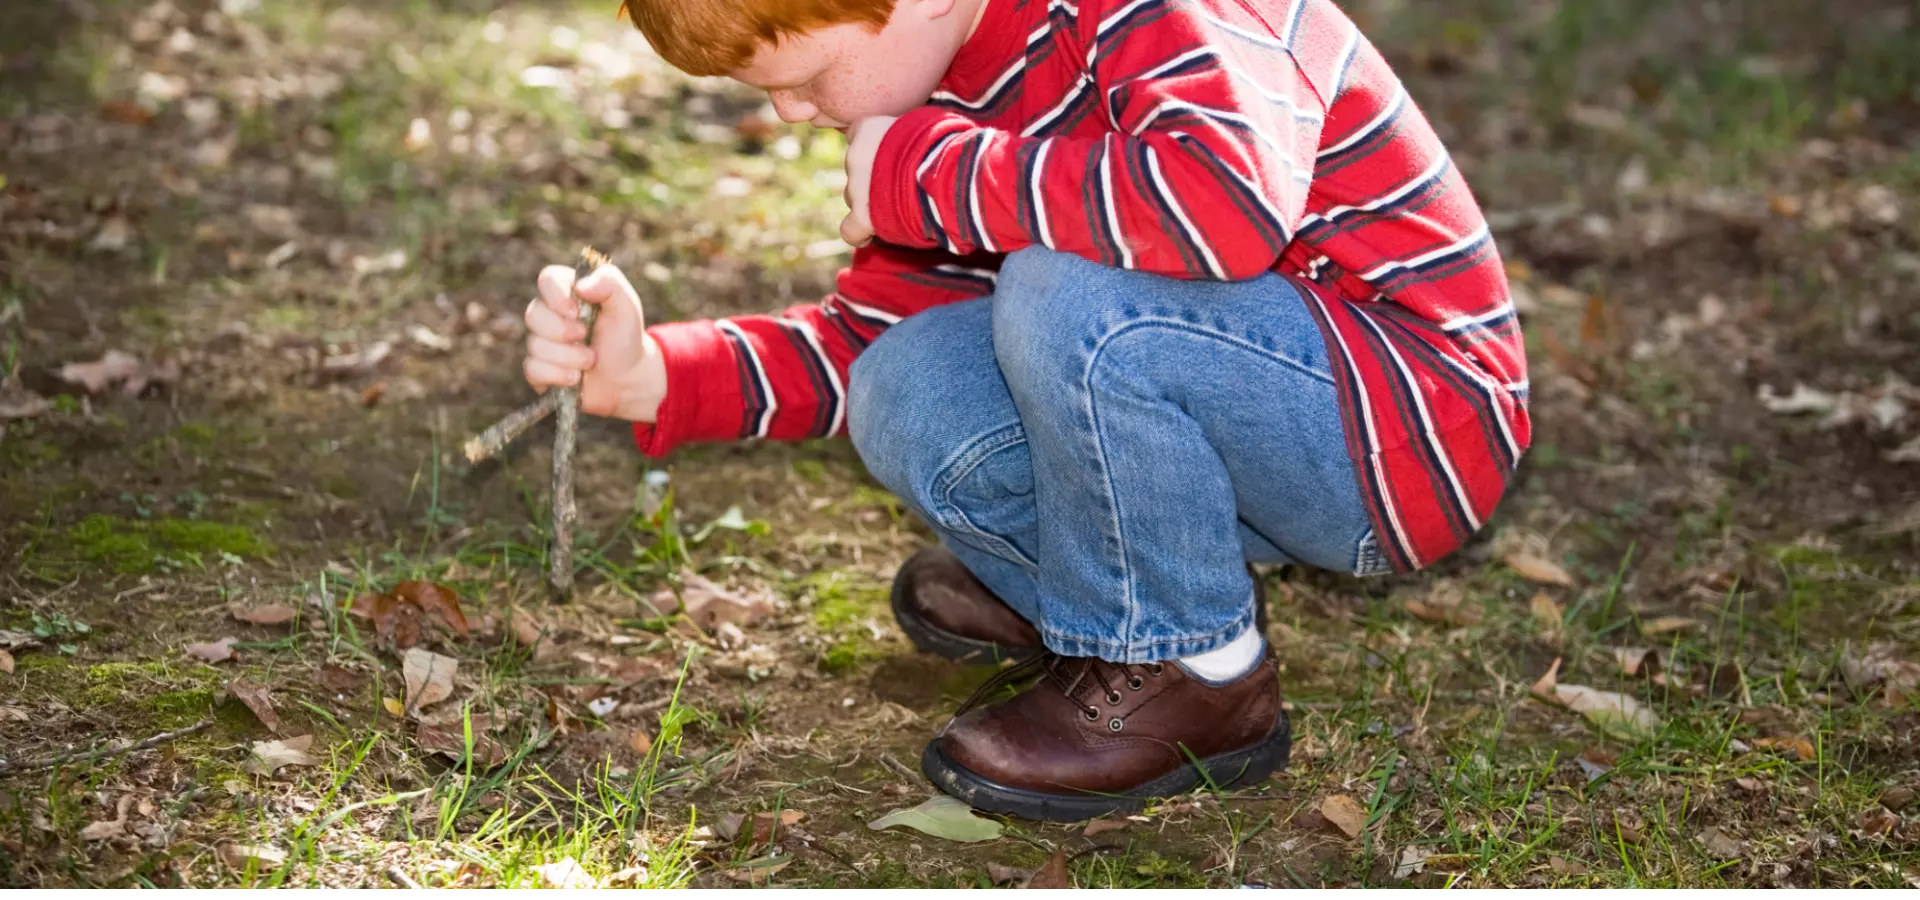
931,418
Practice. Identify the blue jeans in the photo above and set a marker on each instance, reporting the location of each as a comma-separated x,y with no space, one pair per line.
1106,449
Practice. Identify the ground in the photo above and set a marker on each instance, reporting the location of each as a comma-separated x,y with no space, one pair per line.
310,228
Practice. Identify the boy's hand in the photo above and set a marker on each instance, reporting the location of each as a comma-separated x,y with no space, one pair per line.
863,144
622,375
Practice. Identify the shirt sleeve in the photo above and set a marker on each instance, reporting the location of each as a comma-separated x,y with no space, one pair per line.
784,376
1203,175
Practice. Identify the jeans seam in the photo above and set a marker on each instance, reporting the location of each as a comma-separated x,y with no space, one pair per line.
1099,443
962,464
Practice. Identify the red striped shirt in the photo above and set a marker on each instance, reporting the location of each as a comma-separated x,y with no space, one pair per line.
1200,139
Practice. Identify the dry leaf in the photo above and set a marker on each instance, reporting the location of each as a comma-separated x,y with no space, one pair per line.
640,741
6,662
269,614
107,830
1633,659
999,874
943,817
255,698
708,604
1547,617
1613,712
527,630
102,373
1344,813
359,362
1722,845
1595,762
1897,798
125,112
436,601
1725,681
1544,687
216,652
338,680
566,875
393,706
239,856
1537,569
449,739
1880,666
1801,748
766,827
758,872
1052,876
1102,826
269,757
1668,625
14,714
1878,822
429,678
1413,861
19,403
1568,867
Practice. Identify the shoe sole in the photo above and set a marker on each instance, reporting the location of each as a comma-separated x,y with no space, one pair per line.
929,638
1249,765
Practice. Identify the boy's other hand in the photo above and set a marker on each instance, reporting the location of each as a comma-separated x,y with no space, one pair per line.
622,375
863,144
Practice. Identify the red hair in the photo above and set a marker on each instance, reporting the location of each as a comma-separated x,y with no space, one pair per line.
715,37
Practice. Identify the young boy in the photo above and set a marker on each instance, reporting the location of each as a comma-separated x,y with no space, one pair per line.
1145,290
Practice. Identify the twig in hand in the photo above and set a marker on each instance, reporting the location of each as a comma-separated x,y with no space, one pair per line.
7,768
566,430
488,444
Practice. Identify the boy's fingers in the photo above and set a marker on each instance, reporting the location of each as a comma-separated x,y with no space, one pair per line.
603,284
556,290
545,322
572,356
543,374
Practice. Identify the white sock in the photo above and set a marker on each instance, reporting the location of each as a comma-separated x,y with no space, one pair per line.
1229,662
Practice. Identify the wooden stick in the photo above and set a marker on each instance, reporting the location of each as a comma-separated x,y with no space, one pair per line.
565,434
488,444
7,768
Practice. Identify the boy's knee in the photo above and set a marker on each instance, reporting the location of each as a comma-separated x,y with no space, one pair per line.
1048,306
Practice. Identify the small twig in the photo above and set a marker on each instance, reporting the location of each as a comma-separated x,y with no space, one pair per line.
566,431
900,768
488,444
97,754
400,879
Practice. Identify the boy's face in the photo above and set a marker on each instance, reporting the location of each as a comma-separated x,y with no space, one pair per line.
835,76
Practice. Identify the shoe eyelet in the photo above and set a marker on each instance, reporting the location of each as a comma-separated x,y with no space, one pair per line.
1092,713
1135,683
1114,724
1156,669
1113,698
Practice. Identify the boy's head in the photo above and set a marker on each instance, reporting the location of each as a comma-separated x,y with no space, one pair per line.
828,62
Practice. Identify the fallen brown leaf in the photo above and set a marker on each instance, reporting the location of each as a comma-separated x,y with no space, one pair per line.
1668,625
338,680
1612,712
1722,845
1881,666
111,828
1725,681
268,614
1537,569
566,875
527,631
125,112
1897,798
393,706
429,678
14,714
999,874
1566,867
765,830
116,366
1344,813
758,872
6,662
255,698
1633,659
1548,618
449,739
1800,748
640,741
1877,822
20,403
359,362
215,652
438,601
269,757
1052,876
238,856
708,604
1102,826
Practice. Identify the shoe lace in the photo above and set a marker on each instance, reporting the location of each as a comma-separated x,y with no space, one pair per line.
1068,674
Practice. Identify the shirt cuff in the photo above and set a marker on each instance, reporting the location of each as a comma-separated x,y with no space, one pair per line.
893,196
703,401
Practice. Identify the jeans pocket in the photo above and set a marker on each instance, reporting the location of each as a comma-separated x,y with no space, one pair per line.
1368,561
985,498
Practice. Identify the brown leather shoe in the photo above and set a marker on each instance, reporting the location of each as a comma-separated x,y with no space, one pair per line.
1092,738
948,612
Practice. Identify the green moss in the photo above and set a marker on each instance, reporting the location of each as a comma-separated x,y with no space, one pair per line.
134,547
841,611
27,453
177,709
117,682
195,434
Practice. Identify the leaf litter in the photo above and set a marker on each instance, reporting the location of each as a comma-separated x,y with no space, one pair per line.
214,651
428,676
1344,813
1615,713
269,757
254,697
